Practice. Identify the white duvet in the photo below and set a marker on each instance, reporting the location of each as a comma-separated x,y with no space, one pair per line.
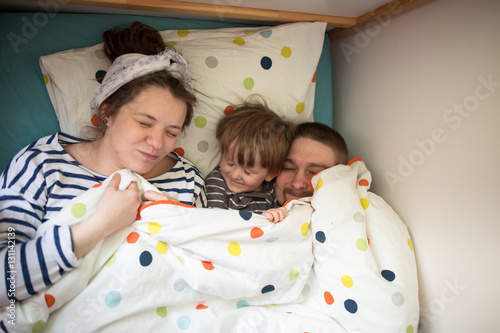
343,262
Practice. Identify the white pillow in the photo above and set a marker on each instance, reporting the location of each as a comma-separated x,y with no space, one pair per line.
227,65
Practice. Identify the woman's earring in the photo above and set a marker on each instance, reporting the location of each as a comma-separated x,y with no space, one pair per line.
104,122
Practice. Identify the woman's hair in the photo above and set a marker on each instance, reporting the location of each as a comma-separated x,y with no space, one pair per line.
254,129
327,136
143,39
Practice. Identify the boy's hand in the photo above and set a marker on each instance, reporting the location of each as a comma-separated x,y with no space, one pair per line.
275,215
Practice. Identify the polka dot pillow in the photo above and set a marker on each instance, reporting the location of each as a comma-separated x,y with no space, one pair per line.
227,66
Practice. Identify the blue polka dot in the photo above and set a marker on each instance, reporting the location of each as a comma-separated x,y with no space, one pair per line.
242,304
183,322
266,63
272,239
351,306
145,258
320,236
99,75
266,34
245,215
113,298
268,289
388,275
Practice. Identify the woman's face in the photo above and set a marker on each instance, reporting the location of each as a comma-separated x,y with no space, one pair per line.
145,130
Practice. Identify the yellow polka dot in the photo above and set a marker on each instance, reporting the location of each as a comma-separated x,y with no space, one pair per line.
200,121
181,259
304,228
37,327
111,260
300,108
347,281
183,33
293,274
319,184
286,52
154,227
409,329
239,41
365,203
410,244
248,83
234,249
45,79
161,247
161,311
78,210
170,44
249,32
362,244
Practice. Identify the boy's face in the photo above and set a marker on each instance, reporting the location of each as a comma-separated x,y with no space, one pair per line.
242,178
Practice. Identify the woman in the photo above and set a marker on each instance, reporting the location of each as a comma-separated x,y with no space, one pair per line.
145,102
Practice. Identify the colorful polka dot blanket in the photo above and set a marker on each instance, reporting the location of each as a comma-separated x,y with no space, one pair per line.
341,262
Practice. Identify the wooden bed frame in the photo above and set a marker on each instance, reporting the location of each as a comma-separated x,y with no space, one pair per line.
340,26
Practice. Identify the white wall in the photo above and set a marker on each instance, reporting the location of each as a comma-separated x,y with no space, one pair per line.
410,99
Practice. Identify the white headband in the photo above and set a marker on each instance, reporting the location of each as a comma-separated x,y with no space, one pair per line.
131,66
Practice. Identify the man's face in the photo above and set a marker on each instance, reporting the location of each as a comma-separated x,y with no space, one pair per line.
305,158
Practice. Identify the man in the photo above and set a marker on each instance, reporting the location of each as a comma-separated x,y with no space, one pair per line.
315,147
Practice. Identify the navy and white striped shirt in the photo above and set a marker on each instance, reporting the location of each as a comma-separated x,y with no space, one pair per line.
34,187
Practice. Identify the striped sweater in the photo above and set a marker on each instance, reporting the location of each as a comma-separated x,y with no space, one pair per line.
34,187
220,196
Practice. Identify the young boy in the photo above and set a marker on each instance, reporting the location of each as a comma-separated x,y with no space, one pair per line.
254,143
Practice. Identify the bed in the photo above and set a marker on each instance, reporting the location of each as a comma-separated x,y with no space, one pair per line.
342,261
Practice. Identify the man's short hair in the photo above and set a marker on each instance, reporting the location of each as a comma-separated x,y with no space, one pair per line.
327,136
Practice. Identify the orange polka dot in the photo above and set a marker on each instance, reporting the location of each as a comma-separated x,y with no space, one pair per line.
256,232
179,151
208,265
201,307
228,109
328,298
50,300
132,237
96,120
97,185
314,77
363,182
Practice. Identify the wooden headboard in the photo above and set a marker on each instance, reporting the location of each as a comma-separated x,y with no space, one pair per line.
340,26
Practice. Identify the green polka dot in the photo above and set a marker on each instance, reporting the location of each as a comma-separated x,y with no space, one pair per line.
293,274
181,259
249,32
111,260
183,33
200,121
161,311
409,329
248,83
78,210
286,52
362,244
170,44
37,327
300,107
239,41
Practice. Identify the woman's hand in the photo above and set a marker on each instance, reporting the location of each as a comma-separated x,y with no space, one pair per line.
152,196
275,215
116,210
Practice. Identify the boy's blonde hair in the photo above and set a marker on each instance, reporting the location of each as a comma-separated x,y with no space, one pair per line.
255,129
